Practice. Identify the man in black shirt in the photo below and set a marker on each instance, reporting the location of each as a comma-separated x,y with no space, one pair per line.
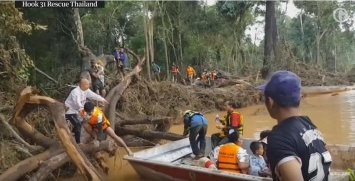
296,149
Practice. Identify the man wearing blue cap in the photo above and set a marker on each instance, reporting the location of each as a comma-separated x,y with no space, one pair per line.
296,149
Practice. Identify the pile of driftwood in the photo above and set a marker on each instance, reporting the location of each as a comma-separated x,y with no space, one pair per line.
55,153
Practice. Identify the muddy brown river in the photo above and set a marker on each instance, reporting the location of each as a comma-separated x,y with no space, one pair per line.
333,114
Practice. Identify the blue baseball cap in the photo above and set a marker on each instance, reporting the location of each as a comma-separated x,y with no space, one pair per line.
283,87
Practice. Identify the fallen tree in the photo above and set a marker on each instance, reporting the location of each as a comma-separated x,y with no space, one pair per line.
116,92
57,153
163,124
27,102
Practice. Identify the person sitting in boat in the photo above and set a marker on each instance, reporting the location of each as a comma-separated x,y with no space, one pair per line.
96,123
196,124
232,122
263,139
231,156
257,163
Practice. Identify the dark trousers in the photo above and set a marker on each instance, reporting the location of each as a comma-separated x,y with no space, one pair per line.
73,118
199,131
217,140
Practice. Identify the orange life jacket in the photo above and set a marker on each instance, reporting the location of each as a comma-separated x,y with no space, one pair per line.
241,121
174,69
227,121
228,158
204,76
94,118
190,70
214,75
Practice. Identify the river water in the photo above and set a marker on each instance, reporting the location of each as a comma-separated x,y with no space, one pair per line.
333,114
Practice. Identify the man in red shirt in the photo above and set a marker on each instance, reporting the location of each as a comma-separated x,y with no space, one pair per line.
232,122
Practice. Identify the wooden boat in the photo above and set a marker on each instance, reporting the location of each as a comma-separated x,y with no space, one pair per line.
172,162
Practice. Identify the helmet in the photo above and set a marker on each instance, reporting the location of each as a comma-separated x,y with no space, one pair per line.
187,112
89,106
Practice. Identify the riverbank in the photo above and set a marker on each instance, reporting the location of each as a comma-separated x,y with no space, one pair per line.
334,116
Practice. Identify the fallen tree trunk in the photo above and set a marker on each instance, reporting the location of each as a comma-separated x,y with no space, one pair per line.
115,94
133,141
57,110
55,162
165,120
27,102
149,134
28,165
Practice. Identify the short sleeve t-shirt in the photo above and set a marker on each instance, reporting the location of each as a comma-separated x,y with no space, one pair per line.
298,137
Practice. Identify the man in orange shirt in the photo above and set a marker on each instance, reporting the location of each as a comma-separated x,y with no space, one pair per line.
174,72
190,72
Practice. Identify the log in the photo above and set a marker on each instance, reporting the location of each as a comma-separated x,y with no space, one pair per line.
133,141
55,162
13,132
18,119
46,75
115,94
165,120
324,89
57,110
29,164
17,171
149,134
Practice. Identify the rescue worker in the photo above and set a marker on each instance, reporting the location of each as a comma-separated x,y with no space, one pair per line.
97,77
156,71
174,72
190,72
75,103
195,124
204,77
120,59
232,122
214,74
116,57
231,157
96,124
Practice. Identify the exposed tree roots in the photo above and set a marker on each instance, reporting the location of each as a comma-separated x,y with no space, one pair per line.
59,152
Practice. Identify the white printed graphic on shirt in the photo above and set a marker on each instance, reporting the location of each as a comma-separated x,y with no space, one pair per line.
315,160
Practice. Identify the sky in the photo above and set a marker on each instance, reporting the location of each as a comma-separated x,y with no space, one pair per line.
256,31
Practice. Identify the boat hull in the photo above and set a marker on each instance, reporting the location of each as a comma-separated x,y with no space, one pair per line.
165,173
165,163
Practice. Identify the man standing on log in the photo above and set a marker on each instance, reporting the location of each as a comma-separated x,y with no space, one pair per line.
295,147
97,78
195,124
120,59
96,123
75,103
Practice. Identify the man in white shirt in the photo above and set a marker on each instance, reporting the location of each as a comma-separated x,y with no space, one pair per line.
75,103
